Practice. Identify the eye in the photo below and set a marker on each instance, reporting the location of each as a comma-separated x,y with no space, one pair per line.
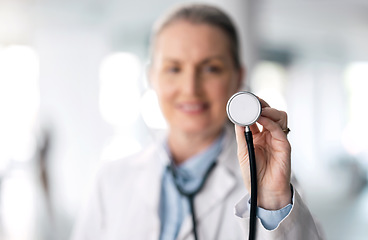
173,69
212,69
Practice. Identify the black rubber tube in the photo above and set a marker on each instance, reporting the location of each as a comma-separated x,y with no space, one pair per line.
191,195
253,183
192,209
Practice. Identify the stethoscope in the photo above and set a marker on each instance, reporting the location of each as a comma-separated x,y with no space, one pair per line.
243,109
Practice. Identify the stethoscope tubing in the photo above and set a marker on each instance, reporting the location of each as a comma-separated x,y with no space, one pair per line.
253,183
191,195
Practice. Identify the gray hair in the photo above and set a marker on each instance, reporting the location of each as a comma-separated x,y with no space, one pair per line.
201,14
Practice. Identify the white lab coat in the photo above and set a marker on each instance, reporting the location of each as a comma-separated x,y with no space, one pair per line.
125,203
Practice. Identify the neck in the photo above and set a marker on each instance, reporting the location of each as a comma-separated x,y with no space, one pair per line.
184,145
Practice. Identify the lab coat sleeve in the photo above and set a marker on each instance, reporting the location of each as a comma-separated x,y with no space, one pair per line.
298,224
90,223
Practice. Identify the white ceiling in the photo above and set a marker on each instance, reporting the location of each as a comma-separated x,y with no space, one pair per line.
336,27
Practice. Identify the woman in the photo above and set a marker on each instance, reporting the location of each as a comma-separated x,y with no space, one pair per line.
195,69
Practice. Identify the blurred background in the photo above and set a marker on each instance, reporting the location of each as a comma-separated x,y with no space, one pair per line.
73,95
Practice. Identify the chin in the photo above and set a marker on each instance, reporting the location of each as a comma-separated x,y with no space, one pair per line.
199,128
185,126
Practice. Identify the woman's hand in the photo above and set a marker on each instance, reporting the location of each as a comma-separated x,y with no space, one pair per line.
272,151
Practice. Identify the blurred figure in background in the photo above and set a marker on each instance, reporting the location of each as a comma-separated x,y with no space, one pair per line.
186,184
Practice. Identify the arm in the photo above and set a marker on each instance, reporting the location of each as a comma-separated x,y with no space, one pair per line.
272,153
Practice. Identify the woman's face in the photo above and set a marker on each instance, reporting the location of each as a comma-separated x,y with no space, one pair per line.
194,75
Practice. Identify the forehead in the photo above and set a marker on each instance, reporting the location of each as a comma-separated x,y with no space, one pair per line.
186,40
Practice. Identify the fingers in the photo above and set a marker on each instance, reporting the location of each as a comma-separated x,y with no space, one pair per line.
263,103
277,116
254,128
240,139
271,119
273,127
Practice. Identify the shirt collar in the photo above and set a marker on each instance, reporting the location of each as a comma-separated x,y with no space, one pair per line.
196,167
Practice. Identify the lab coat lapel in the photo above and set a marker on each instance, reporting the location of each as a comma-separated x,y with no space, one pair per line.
148,195
218,186
223,179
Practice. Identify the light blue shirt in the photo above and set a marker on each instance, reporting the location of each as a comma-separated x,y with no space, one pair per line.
271,218
189,175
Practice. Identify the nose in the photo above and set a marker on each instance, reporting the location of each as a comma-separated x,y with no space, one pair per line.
191,83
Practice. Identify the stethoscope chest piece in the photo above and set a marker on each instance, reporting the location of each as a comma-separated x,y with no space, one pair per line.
243,108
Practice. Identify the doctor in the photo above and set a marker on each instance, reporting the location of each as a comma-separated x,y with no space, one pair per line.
195,68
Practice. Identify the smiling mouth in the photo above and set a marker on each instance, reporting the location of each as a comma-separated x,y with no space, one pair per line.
193,108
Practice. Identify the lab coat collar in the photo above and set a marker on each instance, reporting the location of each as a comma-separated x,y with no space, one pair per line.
223,179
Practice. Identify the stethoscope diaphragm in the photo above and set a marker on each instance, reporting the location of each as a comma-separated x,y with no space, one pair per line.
243,108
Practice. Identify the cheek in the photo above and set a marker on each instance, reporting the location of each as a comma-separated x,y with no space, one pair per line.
220,94
219,97
233,85
165,92
161,89
165,95
223,90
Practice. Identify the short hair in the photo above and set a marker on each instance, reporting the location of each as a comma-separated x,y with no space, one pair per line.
201,14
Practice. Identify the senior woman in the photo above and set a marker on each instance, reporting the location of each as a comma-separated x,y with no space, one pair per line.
195,68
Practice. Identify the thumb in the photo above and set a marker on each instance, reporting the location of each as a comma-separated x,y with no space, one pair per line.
243,155
242,146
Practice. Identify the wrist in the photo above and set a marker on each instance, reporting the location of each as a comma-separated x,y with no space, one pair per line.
274,200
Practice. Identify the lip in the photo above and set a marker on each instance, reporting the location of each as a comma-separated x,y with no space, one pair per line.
192,107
